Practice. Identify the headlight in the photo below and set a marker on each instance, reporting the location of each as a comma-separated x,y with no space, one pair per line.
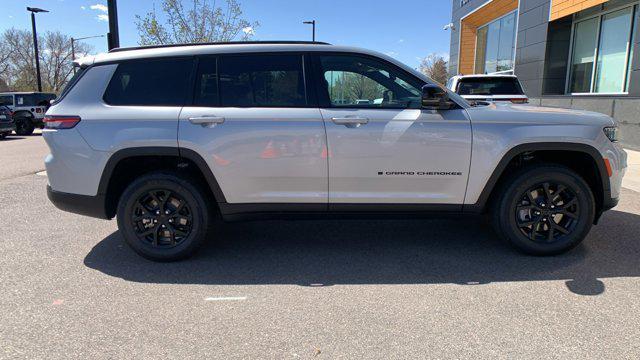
612,133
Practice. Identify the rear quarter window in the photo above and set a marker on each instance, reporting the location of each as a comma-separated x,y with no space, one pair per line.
156,82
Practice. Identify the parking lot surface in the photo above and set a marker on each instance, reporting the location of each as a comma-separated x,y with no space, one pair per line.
441,288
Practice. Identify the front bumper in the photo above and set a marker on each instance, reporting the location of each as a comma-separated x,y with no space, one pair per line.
93,206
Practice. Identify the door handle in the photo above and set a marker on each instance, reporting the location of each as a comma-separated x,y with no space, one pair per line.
206,120
350,122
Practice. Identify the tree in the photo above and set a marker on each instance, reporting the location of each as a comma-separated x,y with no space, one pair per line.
348,87
202,22
17,61
435,67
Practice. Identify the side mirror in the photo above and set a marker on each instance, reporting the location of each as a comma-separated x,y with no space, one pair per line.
435,98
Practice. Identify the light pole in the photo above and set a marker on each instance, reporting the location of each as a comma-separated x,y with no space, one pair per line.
313,25
73,47
113,38
35,42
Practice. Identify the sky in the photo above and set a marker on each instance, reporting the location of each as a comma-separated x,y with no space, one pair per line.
407,30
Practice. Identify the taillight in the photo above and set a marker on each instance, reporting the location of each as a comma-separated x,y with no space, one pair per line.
519,101
60,121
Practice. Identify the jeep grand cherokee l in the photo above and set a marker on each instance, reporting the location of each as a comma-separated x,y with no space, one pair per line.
168,138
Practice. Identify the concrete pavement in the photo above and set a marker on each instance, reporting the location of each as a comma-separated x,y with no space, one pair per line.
333,289
631,179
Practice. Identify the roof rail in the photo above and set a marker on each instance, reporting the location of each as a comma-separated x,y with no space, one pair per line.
218,43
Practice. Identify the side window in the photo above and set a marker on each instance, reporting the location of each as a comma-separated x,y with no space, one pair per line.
162,82
206,87
262,80
6,100
358,81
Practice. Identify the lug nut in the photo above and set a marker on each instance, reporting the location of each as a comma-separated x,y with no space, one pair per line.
166,212
157,212
542,205
170,220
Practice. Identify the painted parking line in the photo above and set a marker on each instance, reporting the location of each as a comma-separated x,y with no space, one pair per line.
226,298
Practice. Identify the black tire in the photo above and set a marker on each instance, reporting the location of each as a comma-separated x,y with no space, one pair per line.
24,126
3,135
543,209
182,194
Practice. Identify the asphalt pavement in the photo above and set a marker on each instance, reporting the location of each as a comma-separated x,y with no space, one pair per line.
444,288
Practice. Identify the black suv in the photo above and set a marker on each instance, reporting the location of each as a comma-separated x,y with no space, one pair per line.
6,122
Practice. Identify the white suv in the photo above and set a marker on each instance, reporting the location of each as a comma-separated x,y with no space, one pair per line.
489,87
168,138
28,109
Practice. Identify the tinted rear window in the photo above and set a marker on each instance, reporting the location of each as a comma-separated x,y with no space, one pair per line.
489,86
261,80
150,83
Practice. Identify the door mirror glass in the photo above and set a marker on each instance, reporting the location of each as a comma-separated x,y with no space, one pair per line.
435,98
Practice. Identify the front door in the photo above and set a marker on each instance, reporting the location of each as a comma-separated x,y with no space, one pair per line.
259,132
383,148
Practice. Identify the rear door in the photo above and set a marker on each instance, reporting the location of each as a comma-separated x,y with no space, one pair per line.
257,125
383,147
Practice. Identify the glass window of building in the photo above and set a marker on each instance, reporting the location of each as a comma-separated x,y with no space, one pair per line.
602,51
495,45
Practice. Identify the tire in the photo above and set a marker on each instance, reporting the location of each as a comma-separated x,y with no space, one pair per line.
185,228
536,225
24,126
3,135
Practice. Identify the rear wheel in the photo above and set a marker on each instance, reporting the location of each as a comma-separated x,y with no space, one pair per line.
24,126
544,210
164,217
3,135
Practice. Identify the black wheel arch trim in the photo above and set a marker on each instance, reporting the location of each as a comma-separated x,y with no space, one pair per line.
188,154
480,205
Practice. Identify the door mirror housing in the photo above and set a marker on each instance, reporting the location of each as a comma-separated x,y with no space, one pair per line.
435,98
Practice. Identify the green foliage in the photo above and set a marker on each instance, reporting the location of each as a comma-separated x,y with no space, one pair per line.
202,22
435,67
17,60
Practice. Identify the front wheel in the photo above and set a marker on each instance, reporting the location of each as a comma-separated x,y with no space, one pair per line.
544,210
164,217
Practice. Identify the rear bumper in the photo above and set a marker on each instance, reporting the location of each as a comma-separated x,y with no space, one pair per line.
93,206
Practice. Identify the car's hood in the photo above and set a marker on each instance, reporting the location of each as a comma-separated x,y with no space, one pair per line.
507,112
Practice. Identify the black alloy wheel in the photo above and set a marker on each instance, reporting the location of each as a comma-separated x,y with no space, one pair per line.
547,212
165,216
543,209
161,218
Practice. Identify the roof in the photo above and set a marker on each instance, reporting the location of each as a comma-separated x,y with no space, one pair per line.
23,92
216,43
484,76
229,48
